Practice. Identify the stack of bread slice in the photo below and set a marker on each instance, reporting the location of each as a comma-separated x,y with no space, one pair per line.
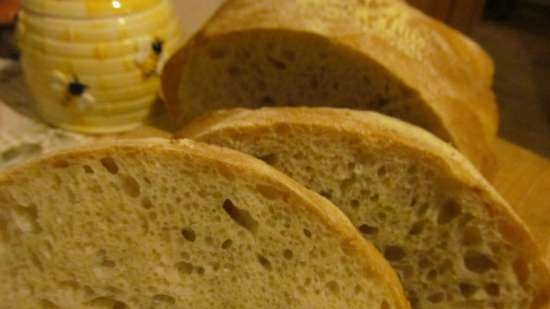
377,55
373,212
452,239
161,224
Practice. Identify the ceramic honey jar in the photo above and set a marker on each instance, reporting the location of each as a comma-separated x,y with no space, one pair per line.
93,66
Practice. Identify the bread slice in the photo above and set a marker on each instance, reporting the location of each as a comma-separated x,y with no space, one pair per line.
379,55
159,224
452,239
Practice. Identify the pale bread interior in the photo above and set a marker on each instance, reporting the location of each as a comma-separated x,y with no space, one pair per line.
445,239
267,67
133,226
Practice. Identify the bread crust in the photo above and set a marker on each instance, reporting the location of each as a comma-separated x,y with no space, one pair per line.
240,164
370,128
451,74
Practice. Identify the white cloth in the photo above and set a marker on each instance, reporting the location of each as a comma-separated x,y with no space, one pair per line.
22,134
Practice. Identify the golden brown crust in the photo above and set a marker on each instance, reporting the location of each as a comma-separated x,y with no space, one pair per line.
170,80
374,128
451,73
187,150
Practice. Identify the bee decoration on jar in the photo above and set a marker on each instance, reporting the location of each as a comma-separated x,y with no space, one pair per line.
73,91
151,62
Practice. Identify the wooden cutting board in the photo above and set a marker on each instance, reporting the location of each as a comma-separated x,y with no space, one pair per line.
523,179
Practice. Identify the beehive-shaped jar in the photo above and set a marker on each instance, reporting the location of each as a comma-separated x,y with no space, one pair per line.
93,65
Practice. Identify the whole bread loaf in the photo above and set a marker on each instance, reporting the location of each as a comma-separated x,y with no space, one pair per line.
377,55
452,239
158,224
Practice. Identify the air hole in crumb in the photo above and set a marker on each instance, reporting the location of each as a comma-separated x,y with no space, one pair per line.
307,233
146,203
327,194
268,158
227,244
414,301
264,262
385,305
130,186
478,262
119,305
240,216
37,263
424,263
108,263
467,290
436,298
418,227
381,171
287,253
448,212
333,287
46,304
185,268
161,299
200,270
354,204
432,274
110,165
375,197
188,234
394,253
88,169
492,289
368,230
278,64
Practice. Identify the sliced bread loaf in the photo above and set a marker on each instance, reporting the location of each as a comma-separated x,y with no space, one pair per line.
377,55
452,239
155,224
